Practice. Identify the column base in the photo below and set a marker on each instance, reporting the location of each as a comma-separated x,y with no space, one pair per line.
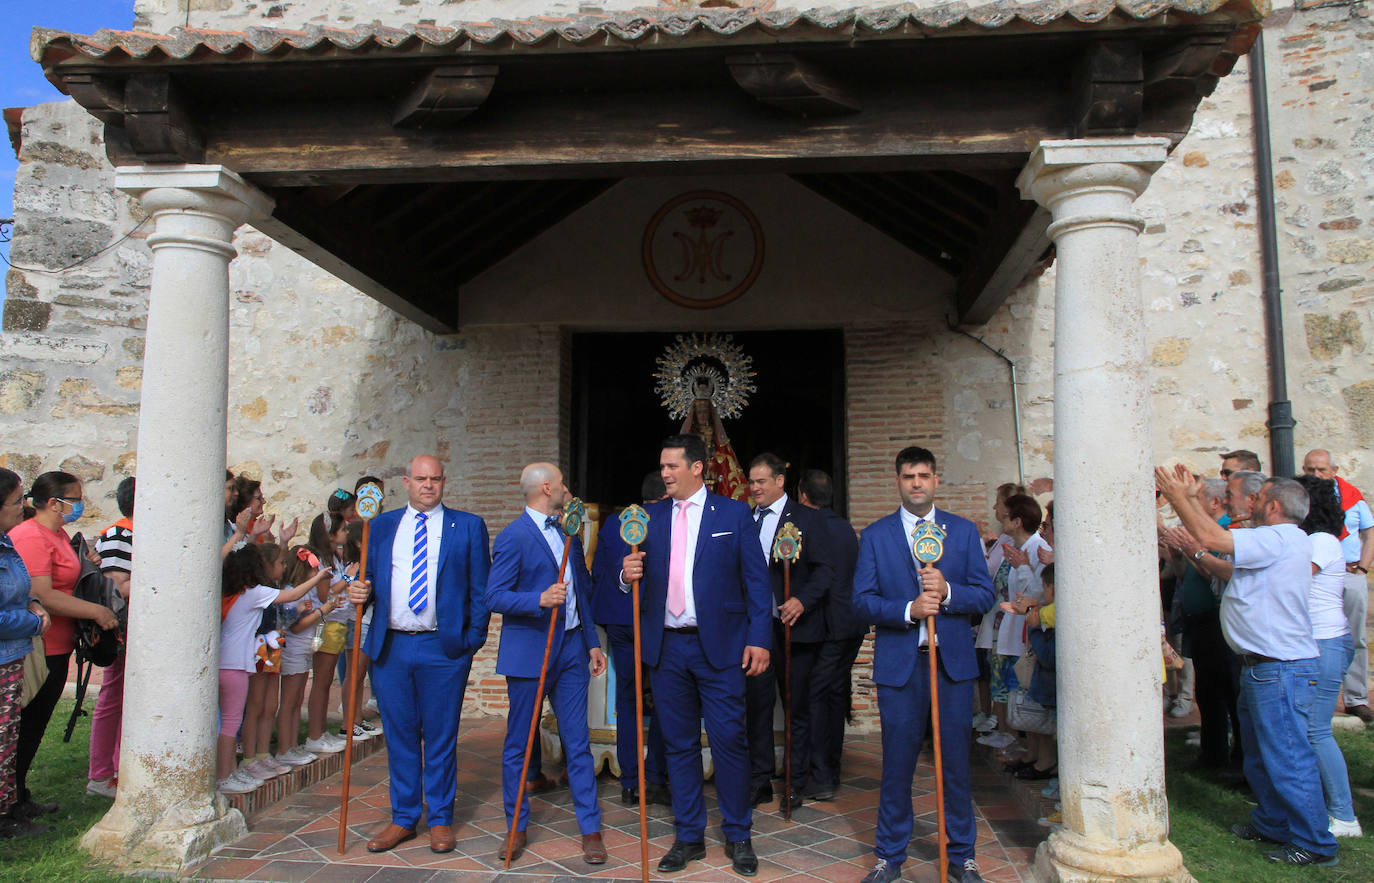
179,837
1067,857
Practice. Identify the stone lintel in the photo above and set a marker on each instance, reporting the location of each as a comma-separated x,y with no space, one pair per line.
1148,153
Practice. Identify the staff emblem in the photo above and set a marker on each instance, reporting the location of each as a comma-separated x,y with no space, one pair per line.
928,542
574,511
787,543
634,525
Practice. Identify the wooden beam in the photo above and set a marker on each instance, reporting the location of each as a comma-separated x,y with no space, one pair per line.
158,121
596,135
793,85
1009,252
445,96
1108,89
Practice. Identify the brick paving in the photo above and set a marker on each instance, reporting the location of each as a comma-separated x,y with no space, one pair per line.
296,839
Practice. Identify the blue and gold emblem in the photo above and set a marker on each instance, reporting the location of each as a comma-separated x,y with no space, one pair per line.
928,542
369,502
787,543
573,514
634,525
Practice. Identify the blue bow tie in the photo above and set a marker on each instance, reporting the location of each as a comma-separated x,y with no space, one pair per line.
551,522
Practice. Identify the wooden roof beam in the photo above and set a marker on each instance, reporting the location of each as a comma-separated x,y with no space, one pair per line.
793,85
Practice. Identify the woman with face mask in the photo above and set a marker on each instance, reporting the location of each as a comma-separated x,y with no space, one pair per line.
43,544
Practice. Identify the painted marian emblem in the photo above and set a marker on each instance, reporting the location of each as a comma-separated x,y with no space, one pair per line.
928,542
573,513
703,249
634,525
787,543
369,502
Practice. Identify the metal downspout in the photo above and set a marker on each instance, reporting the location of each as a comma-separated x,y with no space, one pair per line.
1015,399
1281,422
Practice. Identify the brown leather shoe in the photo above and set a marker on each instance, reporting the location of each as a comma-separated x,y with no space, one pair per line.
517,847
392,836
540,784
593,850
441,838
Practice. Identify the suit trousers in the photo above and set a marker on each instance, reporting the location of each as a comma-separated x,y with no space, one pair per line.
686,688
905,712
424,698
1217,675
760,705
622,640
1356,610
566,687
830,686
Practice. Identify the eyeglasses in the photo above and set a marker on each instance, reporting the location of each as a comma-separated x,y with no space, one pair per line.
1227,473
68,499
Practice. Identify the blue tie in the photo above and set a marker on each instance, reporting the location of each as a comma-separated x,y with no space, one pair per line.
419,593
551,523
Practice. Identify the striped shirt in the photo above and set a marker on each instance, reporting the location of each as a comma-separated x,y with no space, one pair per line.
116,546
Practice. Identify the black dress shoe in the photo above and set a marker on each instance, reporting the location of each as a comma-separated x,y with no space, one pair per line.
28,810
658,794
741,854
821,794
966,872
14,827
763,794
795,799
629,796
884,872
682,852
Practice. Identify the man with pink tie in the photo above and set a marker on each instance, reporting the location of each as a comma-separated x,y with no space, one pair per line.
706,622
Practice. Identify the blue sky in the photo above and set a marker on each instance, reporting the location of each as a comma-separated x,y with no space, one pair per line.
21,81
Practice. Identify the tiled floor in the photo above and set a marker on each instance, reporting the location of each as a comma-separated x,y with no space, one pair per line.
831,841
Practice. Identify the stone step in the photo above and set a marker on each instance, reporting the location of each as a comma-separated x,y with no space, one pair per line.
274,790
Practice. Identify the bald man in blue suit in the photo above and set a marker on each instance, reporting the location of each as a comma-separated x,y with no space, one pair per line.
706,622
892,590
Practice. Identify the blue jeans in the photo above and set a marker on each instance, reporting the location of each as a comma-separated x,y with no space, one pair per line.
1334,655
1276,700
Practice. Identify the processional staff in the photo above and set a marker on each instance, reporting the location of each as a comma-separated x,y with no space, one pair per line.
787,548
634,527
368,505
928,544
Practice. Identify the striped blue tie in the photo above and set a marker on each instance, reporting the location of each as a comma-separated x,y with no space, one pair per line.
419,594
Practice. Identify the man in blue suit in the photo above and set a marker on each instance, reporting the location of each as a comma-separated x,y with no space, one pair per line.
526,590
429,566
613,610
706,623
892,590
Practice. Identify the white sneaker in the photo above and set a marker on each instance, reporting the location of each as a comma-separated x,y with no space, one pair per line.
232,785
359,734
281,768
259,770
1345,829
325,744
373,728
243,777
1180,708
336,740
101,787
987,724
370,707
295,756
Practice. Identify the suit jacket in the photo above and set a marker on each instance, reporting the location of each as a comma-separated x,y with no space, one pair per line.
729,582
813,572
522,567
885,580
610,606
841,620
459,586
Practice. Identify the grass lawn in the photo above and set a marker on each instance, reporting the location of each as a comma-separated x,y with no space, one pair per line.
1201,814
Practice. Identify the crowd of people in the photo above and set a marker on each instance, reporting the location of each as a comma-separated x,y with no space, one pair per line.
1263,587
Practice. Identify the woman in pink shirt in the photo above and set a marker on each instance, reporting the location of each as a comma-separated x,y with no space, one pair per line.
46,550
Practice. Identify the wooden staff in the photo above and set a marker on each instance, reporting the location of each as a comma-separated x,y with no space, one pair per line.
787,548
786,696
633,527
929,547
368,504
572,521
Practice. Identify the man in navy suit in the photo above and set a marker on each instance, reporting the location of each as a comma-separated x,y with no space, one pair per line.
613,610
844,635
429,566
706,623
892,590
525,589
812,576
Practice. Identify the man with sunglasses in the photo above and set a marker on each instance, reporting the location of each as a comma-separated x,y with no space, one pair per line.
1239,461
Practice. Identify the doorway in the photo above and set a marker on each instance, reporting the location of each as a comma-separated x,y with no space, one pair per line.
797,411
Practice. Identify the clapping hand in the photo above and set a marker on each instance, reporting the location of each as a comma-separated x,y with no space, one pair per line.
1015,557
1046,555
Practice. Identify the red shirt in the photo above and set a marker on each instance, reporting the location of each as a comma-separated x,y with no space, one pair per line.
49,553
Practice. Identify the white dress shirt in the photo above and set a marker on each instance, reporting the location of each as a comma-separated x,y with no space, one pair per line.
555,537
909,522
402,553
689,613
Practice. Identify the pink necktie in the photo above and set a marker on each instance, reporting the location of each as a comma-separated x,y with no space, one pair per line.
677,564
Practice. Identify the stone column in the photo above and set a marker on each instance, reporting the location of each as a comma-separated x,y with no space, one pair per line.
168,814
1111,740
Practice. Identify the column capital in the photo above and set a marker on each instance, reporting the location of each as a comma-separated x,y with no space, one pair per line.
1057,166
203,180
